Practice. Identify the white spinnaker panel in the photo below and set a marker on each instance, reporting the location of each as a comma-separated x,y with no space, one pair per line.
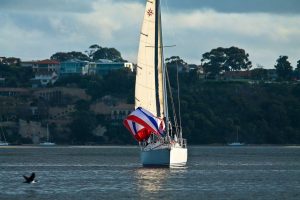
145,96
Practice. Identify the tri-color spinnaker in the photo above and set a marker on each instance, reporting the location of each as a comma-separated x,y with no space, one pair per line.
141,124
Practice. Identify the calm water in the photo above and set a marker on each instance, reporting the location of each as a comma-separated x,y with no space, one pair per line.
265,173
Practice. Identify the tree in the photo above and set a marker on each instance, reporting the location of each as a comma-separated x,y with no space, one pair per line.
63,56
225,59
82,126
108,53
92,49
175,60
16,76
237,59
283,68
11,61
297,71
97,52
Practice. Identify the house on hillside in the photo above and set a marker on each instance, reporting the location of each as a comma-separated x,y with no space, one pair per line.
46,66
72,67
28,64
42,79
103,66
45,72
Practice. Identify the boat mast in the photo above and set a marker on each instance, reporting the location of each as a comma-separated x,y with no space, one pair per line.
47,133
3,135
160,57
156,50
237,134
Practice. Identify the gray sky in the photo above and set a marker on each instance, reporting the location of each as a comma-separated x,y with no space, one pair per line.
266,29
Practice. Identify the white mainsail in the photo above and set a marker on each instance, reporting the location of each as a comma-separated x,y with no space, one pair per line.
148,89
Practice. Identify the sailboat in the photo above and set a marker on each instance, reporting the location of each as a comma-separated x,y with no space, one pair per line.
159,136
3,139
47,142
236,143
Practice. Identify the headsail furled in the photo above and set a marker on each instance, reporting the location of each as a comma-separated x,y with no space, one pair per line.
141,123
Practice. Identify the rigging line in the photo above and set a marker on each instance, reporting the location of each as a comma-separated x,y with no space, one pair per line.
172,102
173,33
172,28
178,98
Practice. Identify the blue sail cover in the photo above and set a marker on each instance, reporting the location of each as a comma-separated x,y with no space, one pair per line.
141,123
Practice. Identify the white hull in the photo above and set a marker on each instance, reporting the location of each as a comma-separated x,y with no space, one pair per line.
236,144
168,155
47,144
3,143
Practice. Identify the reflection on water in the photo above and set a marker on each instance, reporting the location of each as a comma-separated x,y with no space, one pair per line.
156,181
151,179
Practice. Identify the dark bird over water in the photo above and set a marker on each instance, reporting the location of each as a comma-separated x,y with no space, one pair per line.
30,179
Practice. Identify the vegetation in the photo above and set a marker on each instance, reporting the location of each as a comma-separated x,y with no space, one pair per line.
284,68
62,56
225,59
94,53
97,52
175,60
16,76
85,122
264,113
213,110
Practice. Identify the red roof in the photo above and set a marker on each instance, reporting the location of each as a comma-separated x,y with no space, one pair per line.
48,62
